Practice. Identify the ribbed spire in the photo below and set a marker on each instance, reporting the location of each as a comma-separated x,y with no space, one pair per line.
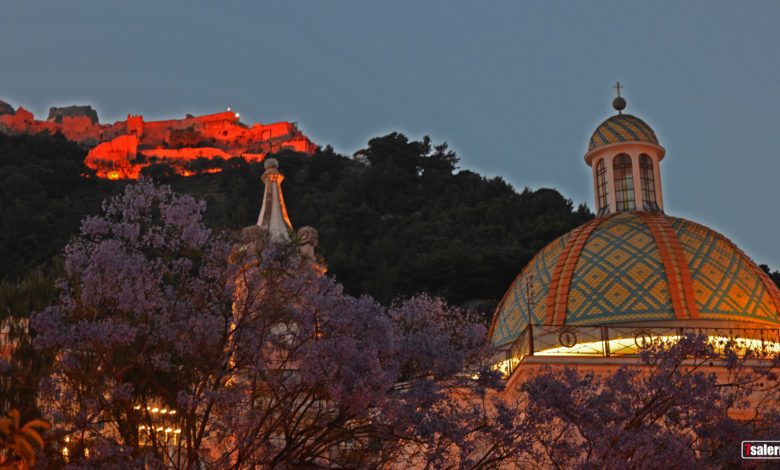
273,215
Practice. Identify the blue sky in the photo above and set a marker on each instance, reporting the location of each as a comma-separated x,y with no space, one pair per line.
515,87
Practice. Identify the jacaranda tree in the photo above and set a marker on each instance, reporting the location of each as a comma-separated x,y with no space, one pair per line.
178,346
670,410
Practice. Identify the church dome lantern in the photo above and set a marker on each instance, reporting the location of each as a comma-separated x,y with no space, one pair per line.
625,156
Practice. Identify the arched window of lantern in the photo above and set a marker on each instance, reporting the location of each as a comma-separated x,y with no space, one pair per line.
648,184
624,183
601,187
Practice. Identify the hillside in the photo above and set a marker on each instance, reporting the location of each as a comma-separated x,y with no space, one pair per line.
397,220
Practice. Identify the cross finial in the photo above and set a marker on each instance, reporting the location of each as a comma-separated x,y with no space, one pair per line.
618,86
619,103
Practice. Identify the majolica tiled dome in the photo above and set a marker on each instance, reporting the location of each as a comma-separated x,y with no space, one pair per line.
622,128
633,267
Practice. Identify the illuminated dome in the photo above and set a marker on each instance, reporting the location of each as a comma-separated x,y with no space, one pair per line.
622,128
633,272
637,267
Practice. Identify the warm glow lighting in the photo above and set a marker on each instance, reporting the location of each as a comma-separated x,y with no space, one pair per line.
137,407
504,366
167,430
132,145
178,431
163,411
629,345
173,412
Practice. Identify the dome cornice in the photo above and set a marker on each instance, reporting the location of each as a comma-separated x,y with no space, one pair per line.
618,146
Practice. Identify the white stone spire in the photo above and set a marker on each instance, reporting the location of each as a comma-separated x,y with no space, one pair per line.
273,215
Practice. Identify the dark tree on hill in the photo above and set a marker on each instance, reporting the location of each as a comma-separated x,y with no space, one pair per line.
775,276
411,222
43,196
399,220
406,222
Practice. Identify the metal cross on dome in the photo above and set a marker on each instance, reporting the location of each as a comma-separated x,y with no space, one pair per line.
618,86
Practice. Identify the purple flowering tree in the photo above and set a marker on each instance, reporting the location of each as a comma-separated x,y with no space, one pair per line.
325,379
143,321
448,408
671,410
176,346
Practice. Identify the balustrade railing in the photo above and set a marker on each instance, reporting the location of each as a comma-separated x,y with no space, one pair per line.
623,341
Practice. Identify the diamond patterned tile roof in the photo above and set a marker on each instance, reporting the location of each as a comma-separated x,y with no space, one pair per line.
622,128
634,267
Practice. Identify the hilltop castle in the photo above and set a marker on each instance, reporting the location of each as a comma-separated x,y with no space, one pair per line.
124,148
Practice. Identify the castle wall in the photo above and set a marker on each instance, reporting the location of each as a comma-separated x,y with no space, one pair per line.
113,159
186,154
118,148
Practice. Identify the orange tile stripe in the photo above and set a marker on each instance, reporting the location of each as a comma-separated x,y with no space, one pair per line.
558,292
677,272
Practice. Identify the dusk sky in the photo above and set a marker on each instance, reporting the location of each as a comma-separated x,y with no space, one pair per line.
516,88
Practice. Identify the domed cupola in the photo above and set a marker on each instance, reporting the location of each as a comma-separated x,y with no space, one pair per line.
633,271
633,275
624,154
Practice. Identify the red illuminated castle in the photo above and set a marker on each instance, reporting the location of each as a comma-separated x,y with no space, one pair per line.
124,148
